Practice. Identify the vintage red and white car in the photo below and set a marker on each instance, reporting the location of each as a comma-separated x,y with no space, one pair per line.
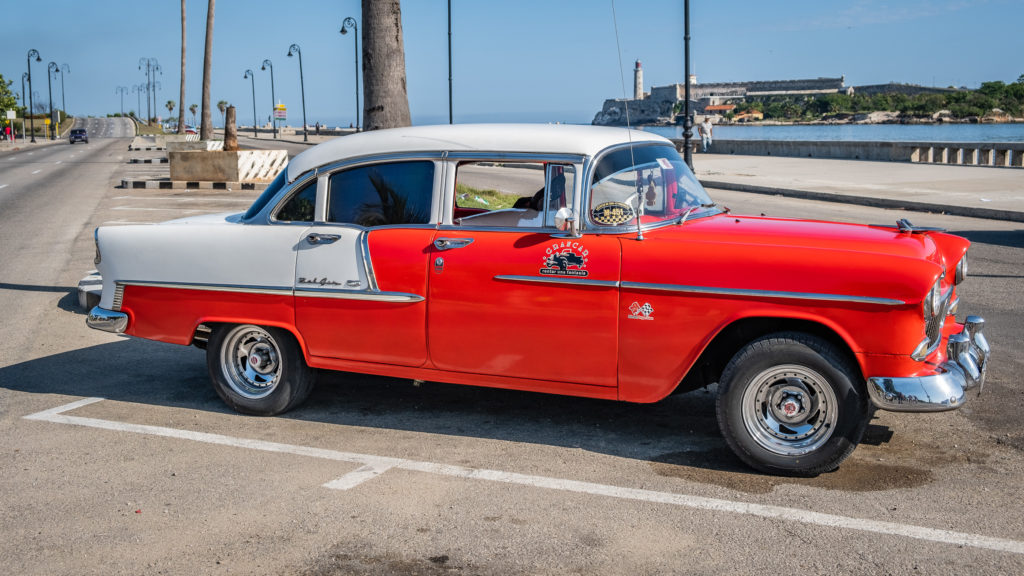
566,259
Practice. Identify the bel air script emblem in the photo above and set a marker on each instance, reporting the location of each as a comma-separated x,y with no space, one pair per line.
319,281
565,259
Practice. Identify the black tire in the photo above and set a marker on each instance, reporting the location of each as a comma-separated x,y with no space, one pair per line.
258,370
792,404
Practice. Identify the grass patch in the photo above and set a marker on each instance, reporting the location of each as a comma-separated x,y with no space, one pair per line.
469,197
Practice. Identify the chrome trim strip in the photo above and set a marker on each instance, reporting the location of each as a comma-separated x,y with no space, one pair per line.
364,254
761,293
562,280
107,320
373,295
272,290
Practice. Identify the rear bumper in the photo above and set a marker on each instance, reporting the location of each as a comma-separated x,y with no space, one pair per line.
107,320
967,356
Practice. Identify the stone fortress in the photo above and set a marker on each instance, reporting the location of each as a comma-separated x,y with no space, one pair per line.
659,106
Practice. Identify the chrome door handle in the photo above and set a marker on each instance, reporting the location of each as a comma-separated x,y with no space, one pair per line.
322,238
452,243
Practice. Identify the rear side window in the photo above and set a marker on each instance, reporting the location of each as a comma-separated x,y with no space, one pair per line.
382,194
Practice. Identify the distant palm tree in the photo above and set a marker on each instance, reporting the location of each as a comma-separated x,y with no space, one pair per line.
192,108
181,90
386,103
223,107
206,128
170,107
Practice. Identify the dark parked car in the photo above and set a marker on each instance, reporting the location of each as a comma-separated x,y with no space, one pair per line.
78,135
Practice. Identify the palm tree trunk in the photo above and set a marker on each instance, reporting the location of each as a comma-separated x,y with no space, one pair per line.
206,128
385,100
181,91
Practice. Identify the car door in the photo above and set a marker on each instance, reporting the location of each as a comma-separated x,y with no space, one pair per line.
524,302
360,276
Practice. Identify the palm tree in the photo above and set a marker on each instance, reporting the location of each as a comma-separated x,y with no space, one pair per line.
206,128
385,102
222,106
170,106
181,90
192,108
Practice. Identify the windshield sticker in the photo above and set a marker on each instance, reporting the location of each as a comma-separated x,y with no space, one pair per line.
638,312
565,259
664,163
612,213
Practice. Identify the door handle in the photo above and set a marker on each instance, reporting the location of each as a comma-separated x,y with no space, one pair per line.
452,243
322,238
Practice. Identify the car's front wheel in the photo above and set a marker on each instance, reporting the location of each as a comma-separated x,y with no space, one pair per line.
792,404
258,370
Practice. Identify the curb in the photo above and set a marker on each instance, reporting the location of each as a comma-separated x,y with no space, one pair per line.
148,161
131,149
988,213
182,185
90,289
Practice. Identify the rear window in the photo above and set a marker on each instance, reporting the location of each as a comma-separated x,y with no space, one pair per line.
78,131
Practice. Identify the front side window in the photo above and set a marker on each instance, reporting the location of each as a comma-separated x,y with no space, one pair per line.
650,181
382,194
511,195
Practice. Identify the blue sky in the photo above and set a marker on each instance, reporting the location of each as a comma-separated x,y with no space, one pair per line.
514,60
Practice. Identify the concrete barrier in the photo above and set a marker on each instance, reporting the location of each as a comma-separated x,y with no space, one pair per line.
221,166
185,145
1002,154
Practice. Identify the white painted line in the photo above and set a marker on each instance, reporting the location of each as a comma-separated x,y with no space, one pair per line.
37,171
2,186
57,162
155,209
375,465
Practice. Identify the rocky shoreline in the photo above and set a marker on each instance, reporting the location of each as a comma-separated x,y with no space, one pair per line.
940,117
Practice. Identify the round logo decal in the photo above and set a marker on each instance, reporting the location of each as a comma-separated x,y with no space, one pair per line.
612,213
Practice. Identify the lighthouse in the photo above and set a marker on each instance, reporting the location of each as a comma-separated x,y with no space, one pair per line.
638,81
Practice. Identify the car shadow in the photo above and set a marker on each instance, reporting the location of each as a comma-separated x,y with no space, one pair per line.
677,437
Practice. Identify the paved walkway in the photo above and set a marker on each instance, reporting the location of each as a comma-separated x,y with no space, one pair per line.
995,193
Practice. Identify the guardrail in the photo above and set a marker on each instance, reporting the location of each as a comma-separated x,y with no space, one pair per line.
991,154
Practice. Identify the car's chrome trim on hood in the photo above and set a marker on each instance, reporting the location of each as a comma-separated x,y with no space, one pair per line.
762,293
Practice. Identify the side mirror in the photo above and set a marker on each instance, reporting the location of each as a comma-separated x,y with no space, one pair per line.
565,221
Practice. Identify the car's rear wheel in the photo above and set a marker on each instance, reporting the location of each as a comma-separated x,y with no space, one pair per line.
792,404
258,370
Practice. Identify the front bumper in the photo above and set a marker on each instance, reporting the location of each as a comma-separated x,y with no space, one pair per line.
967,356
107,320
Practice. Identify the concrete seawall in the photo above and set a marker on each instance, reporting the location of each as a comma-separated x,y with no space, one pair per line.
1001,154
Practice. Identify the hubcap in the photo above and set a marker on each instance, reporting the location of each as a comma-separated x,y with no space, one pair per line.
789,409
250,361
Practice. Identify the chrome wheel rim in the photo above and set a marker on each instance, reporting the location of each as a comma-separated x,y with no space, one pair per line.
790,410
251,361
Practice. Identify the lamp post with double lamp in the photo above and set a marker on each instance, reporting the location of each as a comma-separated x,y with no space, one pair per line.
31,103
273,102
51,70
252,80
63,103
151,64
295,48
350,23
122,90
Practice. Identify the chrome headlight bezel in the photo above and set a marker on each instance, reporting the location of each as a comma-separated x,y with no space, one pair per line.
961,270
933,300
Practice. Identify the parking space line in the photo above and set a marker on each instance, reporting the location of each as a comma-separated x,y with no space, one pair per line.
373,466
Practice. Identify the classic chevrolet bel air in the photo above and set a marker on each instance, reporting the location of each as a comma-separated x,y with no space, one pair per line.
467,254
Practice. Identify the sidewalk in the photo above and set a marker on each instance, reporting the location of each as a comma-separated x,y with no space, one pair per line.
994,193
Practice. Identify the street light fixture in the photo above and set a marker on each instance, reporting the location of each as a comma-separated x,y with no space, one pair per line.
152,66
24,77
252,80
63,104
302,84
687,117
139,89
51,70
273,102
122,90
350,23
31,103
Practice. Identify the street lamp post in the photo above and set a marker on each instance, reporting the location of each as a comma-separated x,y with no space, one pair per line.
24,76
348,23
63,102
451,117
152,66
687,117
138,89
295,48
31,103
273,102
51,71
252,80
122,90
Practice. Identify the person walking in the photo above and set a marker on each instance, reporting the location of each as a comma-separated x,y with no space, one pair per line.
705,134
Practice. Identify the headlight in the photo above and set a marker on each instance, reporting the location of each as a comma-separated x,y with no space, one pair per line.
961,270
933,300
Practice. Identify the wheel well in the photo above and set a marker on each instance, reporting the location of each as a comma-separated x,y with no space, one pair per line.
709,366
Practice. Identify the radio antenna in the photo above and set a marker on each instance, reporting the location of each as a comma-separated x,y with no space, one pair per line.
629,130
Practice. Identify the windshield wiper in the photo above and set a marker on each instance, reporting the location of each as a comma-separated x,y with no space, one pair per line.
691,209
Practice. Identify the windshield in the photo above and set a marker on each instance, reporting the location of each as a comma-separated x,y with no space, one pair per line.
652,181
272,189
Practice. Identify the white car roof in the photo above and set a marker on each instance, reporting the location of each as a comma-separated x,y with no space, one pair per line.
523,138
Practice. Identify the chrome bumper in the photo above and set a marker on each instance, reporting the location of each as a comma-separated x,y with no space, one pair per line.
967,361
107,320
